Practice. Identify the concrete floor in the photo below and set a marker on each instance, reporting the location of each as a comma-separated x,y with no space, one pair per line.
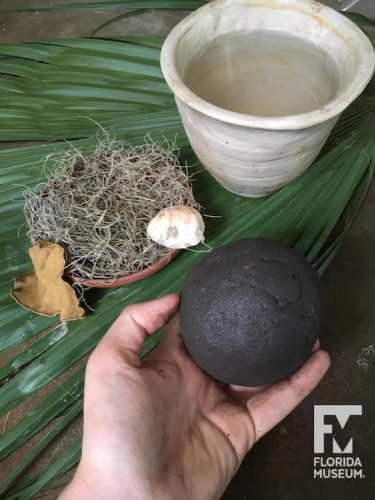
280,466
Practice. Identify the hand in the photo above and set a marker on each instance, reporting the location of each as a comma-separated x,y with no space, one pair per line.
161,428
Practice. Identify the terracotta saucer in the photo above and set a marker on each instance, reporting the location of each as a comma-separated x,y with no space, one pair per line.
130,278
124,280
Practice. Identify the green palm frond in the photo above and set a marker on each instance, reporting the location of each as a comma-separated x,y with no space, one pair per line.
47,93
62,90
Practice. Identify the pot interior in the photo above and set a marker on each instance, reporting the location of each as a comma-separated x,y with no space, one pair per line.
267,58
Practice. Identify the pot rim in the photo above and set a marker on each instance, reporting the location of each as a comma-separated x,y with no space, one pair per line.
290,122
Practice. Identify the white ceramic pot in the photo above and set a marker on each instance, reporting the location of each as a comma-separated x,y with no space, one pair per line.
254,155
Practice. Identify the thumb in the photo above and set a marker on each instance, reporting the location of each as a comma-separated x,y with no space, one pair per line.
137,321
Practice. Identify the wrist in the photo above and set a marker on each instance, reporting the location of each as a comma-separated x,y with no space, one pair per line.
83,488
80,489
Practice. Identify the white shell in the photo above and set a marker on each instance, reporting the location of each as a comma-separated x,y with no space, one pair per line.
177,227
256,155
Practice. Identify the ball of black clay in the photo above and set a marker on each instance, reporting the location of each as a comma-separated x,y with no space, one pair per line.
250,312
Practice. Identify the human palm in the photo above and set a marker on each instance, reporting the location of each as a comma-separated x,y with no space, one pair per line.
162,428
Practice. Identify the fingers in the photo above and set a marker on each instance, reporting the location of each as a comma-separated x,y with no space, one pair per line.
131,328
243,394
316,346
270,407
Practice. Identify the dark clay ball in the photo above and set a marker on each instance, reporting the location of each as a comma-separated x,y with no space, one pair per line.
250,312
